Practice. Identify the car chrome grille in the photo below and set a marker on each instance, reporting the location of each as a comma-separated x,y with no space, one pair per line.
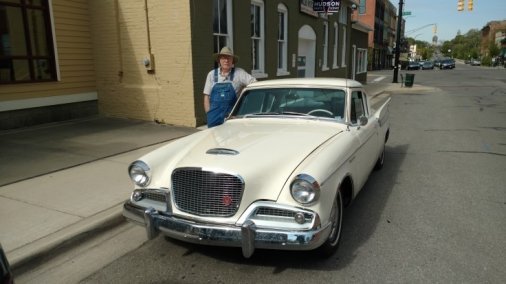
206,193
268,212
155,195
274,212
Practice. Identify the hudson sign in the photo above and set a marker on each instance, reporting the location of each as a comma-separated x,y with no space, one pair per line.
326,6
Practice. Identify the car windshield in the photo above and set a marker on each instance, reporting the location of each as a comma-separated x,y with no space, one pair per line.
300,102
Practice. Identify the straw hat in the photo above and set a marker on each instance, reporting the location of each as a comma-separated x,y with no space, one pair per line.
226,51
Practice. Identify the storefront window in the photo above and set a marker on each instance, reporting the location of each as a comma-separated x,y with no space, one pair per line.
26,43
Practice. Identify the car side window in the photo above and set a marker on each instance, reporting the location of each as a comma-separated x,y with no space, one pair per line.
357,107
251,104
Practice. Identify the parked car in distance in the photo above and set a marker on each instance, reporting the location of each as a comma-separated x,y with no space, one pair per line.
413,65
5,271
427,65
447,64
276,175
475,62
437,63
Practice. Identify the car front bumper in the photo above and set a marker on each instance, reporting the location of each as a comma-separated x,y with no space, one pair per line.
247,236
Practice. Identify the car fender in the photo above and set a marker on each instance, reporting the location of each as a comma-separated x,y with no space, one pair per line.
329,165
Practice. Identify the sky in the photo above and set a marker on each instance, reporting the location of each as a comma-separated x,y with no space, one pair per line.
448,20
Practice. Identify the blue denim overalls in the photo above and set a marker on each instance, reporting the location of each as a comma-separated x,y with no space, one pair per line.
221,100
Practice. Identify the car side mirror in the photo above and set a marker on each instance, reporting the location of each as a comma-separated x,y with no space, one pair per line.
363,120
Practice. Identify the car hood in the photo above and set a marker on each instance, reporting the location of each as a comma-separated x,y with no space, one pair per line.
264,152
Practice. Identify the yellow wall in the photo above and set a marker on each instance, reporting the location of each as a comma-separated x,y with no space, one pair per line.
74,52
122,38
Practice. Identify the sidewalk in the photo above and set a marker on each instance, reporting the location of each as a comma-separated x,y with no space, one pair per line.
62,182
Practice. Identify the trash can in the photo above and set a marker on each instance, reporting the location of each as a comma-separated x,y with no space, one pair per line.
410,79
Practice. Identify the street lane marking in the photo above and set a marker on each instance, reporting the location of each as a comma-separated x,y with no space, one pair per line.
379,79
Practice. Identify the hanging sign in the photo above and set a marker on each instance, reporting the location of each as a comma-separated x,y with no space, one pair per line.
306,7
326,6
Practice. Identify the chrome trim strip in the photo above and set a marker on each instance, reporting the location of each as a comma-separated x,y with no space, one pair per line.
150,223
249,213
247,235
222,151
248,238
169,201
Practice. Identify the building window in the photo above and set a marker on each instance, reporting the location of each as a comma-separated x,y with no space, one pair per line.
343,20
361,7
361,60
257,38
282,40
325,45
222,24
26,42
343,47
335,47
343,15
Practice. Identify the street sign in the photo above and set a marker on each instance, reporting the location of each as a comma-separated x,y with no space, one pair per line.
407,13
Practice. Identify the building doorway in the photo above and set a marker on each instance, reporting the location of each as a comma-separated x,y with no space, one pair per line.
306,52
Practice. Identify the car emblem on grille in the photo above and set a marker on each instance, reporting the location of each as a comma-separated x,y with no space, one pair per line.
226,200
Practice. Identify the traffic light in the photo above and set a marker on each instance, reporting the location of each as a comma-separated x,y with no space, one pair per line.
469,5
460,5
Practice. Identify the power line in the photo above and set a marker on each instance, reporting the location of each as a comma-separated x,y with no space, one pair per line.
422,27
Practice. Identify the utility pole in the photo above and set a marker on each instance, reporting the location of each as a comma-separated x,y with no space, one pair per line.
398,42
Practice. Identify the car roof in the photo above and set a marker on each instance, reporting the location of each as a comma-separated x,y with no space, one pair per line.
307,82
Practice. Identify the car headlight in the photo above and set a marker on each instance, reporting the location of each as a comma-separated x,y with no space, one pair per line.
139,173
305,189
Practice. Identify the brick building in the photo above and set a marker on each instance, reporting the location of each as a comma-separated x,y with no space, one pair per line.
148,59
493,33
380,16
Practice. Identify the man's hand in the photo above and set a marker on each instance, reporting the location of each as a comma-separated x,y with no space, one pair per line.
206,103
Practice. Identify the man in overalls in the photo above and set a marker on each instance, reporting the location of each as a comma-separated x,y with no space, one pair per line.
222,87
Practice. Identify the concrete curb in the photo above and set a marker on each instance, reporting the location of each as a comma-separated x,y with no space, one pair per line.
67,237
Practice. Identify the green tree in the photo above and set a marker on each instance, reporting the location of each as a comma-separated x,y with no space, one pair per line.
493,49
463,46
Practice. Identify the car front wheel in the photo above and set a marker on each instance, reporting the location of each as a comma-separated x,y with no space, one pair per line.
381,160
332,243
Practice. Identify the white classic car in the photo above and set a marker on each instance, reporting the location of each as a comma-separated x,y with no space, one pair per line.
275,175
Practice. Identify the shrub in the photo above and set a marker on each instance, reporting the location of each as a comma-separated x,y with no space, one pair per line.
486,61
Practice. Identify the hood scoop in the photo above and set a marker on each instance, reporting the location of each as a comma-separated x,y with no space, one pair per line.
222,151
